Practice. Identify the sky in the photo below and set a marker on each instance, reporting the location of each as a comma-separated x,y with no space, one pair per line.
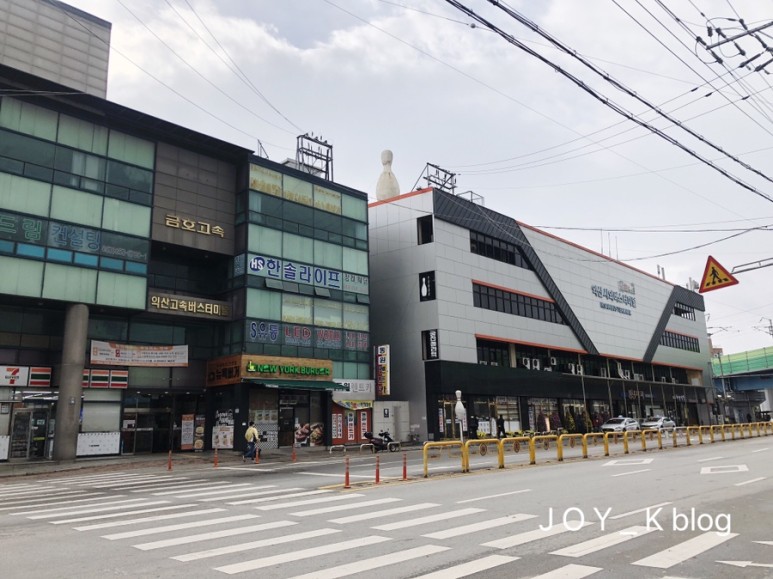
604,122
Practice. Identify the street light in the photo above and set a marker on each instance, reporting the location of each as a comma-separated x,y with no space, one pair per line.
461,414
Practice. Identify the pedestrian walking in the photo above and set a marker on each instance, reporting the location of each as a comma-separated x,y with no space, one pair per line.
251,436
501,427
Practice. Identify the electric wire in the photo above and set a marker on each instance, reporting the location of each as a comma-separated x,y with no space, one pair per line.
607,102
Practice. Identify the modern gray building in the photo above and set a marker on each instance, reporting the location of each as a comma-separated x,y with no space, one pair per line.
528,326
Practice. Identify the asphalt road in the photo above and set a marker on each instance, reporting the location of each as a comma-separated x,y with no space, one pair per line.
691,512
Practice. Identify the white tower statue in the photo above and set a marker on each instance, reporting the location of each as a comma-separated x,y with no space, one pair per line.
387,185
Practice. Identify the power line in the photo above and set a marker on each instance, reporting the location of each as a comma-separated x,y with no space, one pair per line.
606,101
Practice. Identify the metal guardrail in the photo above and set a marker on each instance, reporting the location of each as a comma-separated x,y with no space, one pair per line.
514,443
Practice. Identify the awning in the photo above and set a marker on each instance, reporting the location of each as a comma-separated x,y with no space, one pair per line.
299,384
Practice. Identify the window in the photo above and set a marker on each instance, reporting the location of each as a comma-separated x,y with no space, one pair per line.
489,298
497,249
424,229
680,341
684,311
491,353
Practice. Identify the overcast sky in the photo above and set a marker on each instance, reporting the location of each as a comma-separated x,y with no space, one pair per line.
422,78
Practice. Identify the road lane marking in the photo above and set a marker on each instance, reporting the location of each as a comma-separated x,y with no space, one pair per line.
637,511
212,535
264,499
123,502
384,513
465,569
686,550
750,481
534,535
146,519
121,514
483,525
712,458
493,496
628,461
428,519
569,572
726,469
347,507
327,499
633,472
759,450
264,562
610,540
238,548
178,527
374,563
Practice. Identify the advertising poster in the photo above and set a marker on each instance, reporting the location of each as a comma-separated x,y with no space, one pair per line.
198,433
186,432
223,430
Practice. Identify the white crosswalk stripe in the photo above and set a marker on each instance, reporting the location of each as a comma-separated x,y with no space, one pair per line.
428,519
50,500
213,535
121,514
529,536
264,562
685,550
178,527
166,517
480,526
610,540
362,565
132,502
217,491
120,484
347,507
328,499
470,567
569,572
384,513
209,487
264,499
95,510
238,548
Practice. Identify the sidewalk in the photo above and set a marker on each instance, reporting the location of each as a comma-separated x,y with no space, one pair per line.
24,467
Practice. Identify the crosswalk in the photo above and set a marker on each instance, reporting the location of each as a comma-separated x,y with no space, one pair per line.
236,528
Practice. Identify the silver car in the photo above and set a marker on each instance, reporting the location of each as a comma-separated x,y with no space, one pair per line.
658,423
619,424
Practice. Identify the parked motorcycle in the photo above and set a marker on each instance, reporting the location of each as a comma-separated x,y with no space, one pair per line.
381,442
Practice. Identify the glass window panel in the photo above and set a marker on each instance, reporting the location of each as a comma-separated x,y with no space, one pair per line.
110,263
24,195
28,118
120,290
124,175
297,309
264,240
355,261
327,200
127,217
298,214
328,222
266,180
21,277
138,268
327,313
30,250
82,135
76,206
328,255
266,205
59,255
296,247
79,163
131,149
68,283
101,416
354,208
85,259
356,317
298,191
27,149
263,304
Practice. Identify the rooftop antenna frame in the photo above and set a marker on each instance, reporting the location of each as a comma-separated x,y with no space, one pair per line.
438,178
314,155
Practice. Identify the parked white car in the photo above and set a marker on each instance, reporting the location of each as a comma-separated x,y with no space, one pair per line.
658,423
619,424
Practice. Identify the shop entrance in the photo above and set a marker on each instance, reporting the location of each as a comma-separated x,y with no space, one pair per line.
30,433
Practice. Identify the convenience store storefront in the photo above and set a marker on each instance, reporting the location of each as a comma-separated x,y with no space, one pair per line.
289,399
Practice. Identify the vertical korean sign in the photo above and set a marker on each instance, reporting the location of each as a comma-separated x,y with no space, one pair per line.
382,370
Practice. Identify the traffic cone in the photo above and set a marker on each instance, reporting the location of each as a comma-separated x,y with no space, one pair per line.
257,455
169,461
215,458
293,455
378,478
405,467
346,475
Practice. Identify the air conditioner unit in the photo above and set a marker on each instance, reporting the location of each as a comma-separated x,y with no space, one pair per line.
495,363
535,364
526,362
579,369
663,379
638,376
627,374
604,373
548,368
553,361
572,368
673,380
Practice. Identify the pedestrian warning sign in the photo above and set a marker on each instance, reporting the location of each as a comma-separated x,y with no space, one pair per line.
715,276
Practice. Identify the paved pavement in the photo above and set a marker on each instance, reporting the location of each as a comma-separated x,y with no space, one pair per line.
23,467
